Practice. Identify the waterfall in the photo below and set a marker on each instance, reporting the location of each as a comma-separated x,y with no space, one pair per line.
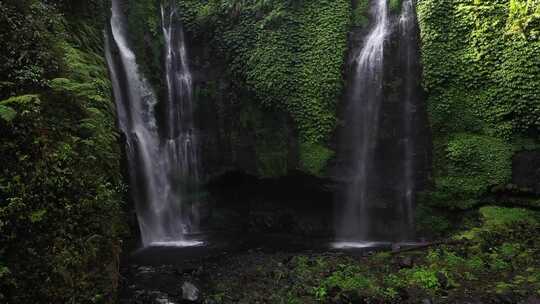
378,141
364,101
407,27
158,168
181,145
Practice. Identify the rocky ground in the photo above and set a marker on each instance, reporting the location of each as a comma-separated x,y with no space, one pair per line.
497,261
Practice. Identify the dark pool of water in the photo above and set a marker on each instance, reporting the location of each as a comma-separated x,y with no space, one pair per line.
210,245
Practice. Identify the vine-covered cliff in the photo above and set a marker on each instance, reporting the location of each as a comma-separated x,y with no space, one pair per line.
270,72
61,193
481,63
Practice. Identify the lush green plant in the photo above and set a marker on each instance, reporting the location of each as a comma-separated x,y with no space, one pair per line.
348,278
472,163
498,217
481,73
313,157
360,15
524,18
430,221
60,187
288,54
424,278
320,293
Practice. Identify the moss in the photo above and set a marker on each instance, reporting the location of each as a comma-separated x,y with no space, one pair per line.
499,217
497,220
313,158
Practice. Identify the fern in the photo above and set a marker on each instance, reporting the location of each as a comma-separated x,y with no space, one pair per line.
7,113
8,106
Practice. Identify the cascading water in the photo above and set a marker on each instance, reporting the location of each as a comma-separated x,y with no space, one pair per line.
181,144
364,101
158,168
407,27
379,147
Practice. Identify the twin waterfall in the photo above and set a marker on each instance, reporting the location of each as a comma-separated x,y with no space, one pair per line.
163,164
379,142
377,202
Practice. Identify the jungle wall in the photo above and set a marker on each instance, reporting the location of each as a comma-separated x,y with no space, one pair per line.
62,194
482,77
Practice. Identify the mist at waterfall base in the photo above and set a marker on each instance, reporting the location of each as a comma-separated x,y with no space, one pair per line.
163,164
380,152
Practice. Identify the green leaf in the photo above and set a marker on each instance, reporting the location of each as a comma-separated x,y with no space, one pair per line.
7,113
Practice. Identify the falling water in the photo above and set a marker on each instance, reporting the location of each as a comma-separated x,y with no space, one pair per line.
181,145
407,27
157,167
365,101
378,198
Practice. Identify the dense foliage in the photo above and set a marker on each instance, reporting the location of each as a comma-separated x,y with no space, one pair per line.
60,184
482,74
494,260
288,55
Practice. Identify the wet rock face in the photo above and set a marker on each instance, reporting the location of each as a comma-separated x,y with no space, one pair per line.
526,170
234,130
298,204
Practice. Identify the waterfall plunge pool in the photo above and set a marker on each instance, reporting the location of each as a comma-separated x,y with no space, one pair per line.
182,243
207,245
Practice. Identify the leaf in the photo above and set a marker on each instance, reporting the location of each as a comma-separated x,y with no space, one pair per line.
37,216
7,113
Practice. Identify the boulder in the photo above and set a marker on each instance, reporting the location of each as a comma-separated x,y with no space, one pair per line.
190,292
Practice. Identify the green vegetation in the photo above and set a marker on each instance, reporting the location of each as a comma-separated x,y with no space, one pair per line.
482,75
146,37
271,140
280,66
60,188
498,260
360,15
395,6
473,164
289,56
